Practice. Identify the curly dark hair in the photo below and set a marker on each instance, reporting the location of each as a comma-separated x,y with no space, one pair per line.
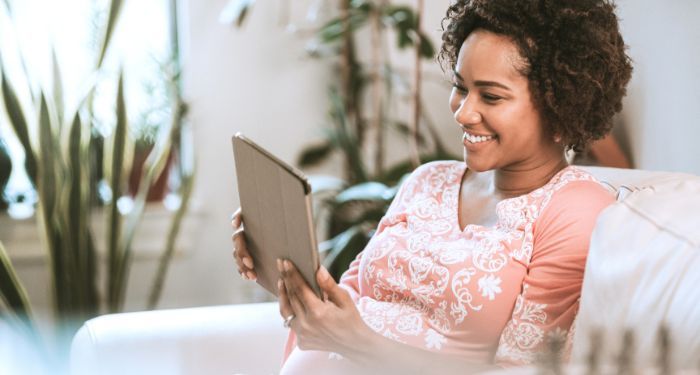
576,64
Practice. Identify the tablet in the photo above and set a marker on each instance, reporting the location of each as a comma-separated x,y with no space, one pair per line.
276,209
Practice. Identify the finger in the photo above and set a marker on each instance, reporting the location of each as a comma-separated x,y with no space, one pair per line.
290,289
285,307
335,293
241,250
298,289
236,218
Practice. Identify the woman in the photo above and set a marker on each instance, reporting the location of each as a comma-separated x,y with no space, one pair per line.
476,263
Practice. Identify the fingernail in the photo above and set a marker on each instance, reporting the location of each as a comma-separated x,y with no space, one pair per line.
287,265
279,265
251,276
248,262
243,276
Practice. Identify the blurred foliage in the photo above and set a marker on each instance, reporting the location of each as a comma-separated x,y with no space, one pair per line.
56,152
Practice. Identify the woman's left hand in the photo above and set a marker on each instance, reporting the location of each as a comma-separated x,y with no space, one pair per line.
329,324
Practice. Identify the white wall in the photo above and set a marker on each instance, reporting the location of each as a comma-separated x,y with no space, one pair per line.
661,116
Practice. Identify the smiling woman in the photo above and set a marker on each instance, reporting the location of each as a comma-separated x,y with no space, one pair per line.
478,263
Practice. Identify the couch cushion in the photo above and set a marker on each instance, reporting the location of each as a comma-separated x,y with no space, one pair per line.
642,272
622,182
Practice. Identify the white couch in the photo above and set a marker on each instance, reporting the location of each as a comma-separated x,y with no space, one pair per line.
643,269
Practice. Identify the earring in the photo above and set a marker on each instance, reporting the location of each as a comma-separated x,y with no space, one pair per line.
557,138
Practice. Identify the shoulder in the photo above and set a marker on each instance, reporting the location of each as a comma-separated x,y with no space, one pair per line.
576,189
573,208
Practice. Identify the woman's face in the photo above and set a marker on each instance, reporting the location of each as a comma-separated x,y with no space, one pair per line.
491,102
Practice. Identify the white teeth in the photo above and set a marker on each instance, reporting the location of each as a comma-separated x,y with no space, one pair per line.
477,138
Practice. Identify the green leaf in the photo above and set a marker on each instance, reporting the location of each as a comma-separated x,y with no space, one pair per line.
346,246
322,184
367,191
163,264
49,155
19,124
235,12
345,139
114,11
426,47
11,289
57,86
405,130
115,255
400,17
314,154
334,29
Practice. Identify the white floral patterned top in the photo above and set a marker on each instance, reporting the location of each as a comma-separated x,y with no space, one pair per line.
489,293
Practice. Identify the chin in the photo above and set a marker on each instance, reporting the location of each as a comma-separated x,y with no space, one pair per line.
475,166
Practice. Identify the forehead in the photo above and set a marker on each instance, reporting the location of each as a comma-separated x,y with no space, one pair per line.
488,56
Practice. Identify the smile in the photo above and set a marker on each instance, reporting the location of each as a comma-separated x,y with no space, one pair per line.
477,138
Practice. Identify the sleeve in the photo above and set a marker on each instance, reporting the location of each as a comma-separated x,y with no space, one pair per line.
551,289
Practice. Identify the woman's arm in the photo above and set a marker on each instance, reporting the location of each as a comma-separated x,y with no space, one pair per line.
334,324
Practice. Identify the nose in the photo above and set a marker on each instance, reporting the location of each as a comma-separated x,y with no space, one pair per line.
466,113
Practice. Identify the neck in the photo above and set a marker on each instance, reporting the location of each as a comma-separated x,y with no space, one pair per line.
515,182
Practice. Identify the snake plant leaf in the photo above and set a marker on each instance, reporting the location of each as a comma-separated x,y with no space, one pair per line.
49,153
314,154
12,291
114,11
114,253
19,124
187,172
164,263
235,12
78,217
57,86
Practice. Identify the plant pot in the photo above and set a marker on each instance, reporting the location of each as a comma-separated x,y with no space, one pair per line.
159,188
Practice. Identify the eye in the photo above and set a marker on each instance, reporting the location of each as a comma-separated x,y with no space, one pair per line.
491,98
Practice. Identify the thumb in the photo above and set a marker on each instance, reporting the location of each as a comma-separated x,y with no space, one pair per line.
335,293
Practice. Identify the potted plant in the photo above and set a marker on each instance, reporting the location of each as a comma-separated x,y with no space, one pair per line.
66,195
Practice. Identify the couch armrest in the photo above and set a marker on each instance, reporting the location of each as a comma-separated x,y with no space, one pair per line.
231,339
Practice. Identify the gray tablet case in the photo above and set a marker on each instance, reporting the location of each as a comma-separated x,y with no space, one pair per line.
276,209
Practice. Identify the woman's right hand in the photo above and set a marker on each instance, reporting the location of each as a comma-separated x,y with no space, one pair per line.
240,252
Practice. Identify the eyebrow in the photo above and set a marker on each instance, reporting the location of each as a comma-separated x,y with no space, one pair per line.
481,83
